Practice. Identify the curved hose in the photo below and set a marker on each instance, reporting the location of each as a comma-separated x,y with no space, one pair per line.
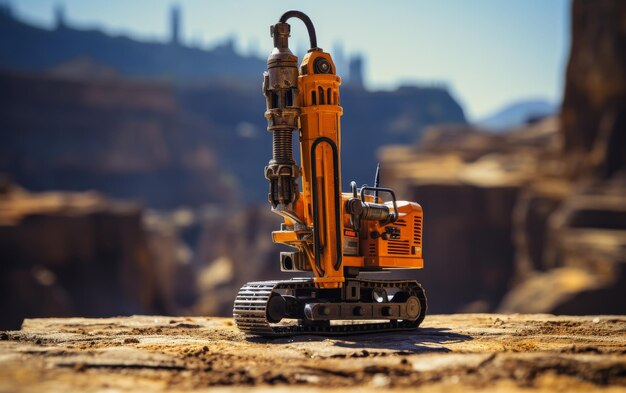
307,22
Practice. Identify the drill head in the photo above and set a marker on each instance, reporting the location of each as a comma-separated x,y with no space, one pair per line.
280,87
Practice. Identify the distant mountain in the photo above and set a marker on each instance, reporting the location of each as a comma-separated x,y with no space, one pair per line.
518,113
168,124
29,48
171,145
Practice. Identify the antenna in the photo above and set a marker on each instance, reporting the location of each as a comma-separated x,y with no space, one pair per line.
377,181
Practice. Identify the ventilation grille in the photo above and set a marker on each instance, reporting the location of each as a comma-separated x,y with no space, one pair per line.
417,230
400,223
398,247
371,249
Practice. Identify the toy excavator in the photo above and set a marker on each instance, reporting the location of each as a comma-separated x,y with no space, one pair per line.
336,235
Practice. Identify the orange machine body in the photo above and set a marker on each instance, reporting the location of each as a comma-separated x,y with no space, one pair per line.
340,245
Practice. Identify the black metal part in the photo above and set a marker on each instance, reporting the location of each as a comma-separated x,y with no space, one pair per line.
360,210
293,261
413,307
379,295
251,308
408,310
280,87
276,308
351,291
377,182
354,207
322,66
376,212
337,196
351,271
391,232
307,22
393,217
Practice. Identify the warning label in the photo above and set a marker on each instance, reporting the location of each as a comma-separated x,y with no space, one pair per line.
350,242
349,233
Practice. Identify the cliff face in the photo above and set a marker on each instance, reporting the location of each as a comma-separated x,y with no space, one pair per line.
468,182
380,118
126,139
581,257
594,103
542,209
172,145
72,254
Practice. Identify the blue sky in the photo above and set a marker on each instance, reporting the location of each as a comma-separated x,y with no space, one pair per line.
489,52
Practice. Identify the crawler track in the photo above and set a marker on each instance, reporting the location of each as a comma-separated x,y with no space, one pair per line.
250,310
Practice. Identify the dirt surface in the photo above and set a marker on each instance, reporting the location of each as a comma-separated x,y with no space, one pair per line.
450,353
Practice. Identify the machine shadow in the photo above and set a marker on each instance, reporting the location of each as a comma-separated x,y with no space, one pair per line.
423,340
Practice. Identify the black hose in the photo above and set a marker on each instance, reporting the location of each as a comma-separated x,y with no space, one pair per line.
307,22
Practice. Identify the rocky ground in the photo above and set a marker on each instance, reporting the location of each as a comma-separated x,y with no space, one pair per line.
461,352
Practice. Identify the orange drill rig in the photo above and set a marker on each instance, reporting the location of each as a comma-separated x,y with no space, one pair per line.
335,235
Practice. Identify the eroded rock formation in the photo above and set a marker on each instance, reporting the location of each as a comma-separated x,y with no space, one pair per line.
543,208
72,254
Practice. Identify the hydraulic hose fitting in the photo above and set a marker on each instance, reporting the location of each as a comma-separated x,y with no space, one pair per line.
280,87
